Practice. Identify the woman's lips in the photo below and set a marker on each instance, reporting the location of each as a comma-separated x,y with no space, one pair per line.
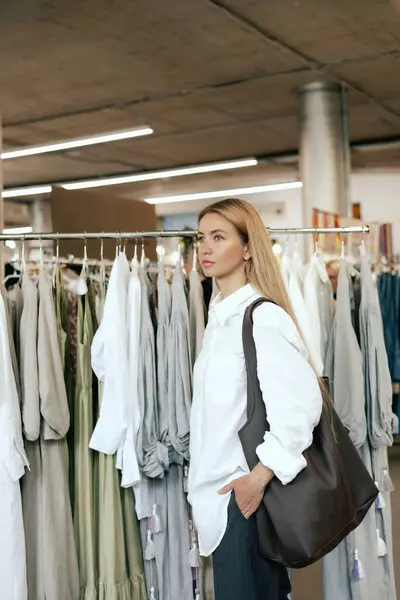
207,263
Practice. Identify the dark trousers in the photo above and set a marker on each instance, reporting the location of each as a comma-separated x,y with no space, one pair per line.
240,573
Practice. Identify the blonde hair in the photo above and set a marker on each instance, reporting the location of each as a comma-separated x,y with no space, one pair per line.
261,269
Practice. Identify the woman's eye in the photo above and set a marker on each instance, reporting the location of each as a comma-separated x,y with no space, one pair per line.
218,238
200,240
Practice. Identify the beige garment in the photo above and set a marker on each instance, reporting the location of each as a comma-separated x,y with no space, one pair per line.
28,360
13,354
197,315
16,306
84,506
51,554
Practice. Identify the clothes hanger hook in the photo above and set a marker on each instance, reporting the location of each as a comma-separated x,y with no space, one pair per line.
101,250
85,249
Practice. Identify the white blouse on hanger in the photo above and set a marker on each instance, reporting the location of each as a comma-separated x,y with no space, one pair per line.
110,362
13,584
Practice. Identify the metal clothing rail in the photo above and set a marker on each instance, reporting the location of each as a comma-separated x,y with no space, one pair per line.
121,235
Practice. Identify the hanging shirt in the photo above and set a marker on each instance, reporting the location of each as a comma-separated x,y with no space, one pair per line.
197,316
13,582
126,457
290,391
318,298
378,386
110,362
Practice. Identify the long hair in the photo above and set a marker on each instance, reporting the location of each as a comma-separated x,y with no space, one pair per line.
262,269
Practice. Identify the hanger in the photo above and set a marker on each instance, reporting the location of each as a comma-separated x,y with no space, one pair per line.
56,262
316,252
143,256
102,266
82,287
194,267
342,255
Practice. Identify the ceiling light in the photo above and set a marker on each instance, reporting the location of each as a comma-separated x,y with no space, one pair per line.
223,193
26,191
78,143
16,230
179,172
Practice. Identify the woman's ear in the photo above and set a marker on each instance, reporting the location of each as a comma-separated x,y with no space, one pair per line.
246,255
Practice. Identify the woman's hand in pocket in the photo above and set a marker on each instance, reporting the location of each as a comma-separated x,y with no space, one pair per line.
249,489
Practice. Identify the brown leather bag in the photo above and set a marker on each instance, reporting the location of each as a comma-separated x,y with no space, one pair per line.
300,522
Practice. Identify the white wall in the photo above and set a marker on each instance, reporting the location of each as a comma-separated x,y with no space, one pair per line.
379,196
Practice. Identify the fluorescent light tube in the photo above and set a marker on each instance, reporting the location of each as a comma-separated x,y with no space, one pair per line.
179,172
26,191
226,193
15,230
78,143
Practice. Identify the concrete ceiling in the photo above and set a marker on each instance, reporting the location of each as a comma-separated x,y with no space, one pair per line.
216,79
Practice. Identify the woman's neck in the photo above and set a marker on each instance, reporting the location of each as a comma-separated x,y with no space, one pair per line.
230,285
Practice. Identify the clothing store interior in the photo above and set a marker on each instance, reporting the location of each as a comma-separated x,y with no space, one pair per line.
121,121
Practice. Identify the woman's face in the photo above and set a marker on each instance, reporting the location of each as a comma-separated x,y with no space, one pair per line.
221,250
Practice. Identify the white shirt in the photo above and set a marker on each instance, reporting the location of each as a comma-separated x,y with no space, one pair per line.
13,582
291,394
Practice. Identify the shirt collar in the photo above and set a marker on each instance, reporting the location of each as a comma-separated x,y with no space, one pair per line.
225,308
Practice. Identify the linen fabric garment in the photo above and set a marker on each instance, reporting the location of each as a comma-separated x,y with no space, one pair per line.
28,360
343,363
378,401
13,570
343,366
84,504
389,299
110,362
197,315
378,387
120,562
293,406
179,370
16,305
318,298
302,316
126,457
51,552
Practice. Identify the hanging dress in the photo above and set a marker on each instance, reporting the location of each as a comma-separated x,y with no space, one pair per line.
84,505
197,315
343,366
179,406
120,562
52,562
378,401
13,568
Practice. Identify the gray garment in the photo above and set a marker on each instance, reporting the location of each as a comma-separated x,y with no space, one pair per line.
343,364
164,317
13,353
378,401
326,311
197,315
152,455
378,385
179,371
16,306
28,360
51,554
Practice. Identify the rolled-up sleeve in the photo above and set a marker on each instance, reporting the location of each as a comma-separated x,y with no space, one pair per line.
290,391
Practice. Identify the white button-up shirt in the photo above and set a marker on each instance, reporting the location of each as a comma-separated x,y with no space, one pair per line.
291,394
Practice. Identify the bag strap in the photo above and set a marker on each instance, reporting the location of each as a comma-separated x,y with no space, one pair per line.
254,394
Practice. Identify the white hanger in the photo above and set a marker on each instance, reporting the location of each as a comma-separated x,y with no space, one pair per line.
56,262
343,253
82,287
143,256
316,252
194,267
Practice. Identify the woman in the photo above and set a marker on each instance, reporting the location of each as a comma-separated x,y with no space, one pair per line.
234,247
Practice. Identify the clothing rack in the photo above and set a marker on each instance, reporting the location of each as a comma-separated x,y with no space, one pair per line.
121,235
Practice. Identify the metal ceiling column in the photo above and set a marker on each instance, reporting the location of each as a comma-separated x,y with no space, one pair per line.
323,154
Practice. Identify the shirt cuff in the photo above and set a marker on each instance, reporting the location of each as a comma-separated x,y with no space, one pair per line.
283,463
